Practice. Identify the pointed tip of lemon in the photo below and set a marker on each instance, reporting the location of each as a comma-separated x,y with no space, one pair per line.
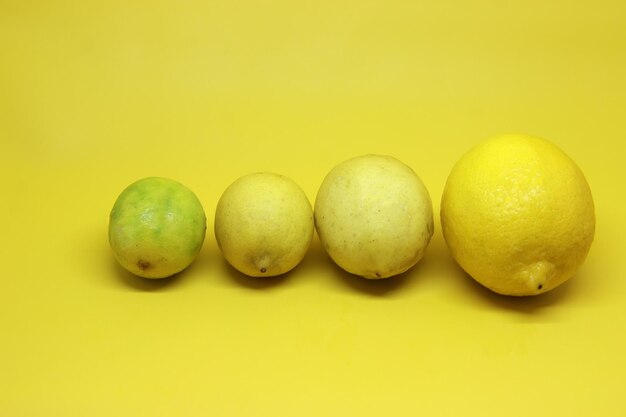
537,276
262,264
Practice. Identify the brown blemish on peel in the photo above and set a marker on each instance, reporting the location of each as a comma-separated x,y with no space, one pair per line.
263,270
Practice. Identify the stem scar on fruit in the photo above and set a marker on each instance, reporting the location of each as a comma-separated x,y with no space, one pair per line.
143,265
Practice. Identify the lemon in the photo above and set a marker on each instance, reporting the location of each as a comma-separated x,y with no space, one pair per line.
156,227
264,224
374,216
517,215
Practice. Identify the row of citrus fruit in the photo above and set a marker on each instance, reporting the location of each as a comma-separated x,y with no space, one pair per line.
517,215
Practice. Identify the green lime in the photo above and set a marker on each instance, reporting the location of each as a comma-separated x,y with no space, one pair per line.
156,227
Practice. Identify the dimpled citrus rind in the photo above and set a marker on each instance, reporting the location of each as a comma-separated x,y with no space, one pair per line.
517,215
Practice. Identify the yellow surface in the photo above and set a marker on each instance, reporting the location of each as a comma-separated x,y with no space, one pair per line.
94,95
517,214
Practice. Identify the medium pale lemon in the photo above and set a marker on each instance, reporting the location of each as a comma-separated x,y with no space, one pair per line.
374,216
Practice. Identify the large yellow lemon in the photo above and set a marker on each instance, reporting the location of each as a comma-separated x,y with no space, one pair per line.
518,215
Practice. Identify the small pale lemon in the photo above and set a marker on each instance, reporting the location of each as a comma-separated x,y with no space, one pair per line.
264,224
374,216
156,227
517,215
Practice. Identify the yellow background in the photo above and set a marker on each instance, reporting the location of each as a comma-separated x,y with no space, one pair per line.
94,95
